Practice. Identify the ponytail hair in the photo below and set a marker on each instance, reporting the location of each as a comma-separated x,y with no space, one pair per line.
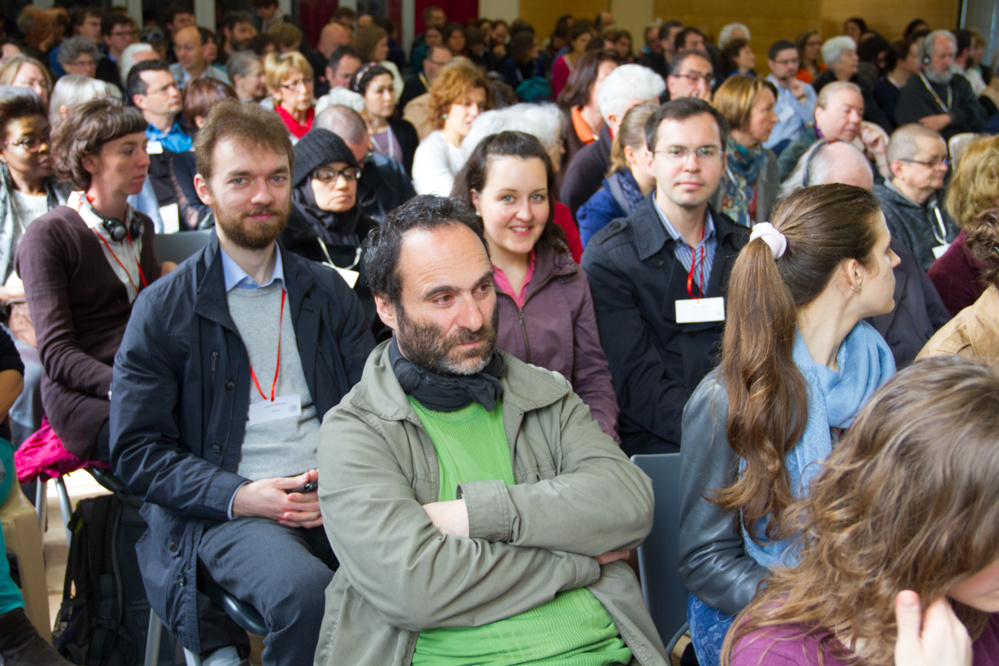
767,394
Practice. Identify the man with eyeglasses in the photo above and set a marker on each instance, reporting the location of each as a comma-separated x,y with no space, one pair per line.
912,200
691,75
795,107
118,31
659,277
437,57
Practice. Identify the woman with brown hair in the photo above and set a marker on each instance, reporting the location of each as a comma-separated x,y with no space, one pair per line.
809,45
390,136
457,96
579,101
902,520
797,364
580,35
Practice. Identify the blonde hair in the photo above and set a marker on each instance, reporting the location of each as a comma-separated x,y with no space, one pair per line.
735,98
631,134
974,188
277,67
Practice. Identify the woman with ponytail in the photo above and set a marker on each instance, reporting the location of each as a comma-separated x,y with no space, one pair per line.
798,362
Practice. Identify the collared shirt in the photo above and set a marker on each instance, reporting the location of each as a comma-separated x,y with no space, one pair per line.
792,116
237,278
123,256
684,253
183,77
176,140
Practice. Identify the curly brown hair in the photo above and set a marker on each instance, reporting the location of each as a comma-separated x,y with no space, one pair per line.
456,80
983,241
85,131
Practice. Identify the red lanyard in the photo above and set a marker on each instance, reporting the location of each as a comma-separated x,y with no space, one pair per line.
690,275
142,276
277,367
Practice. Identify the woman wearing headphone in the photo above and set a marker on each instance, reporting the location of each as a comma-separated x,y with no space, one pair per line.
83,265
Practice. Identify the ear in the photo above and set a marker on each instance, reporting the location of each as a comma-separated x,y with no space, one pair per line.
386,312
204,191
90,164
139,101
896,167
629,154
475,200
853,273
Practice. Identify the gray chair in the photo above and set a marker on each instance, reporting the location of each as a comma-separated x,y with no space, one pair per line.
181,245
659,557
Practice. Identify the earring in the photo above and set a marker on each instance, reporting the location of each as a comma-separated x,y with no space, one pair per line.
856,287
445,116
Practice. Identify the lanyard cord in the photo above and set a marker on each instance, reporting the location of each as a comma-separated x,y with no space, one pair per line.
277,367
142,276
946,109
690,275
939,229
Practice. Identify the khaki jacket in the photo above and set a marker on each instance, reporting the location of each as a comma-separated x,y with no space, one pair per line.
972,333
576,496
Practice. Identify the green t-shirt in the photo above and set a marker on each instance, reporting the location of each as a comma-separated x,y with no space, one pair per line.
573,629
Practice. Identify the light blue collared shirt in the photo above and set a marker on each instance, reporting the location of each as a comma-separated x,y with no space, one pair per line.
792,117
683,252
237,278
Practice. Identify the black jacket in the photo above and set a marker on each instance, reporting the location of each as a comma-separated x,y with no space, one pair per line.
180,395
655,362
383,186
405,133
916,101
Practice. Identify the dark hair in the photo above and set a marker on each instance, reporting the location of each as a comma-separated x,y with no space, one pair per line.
983,242
26,104
111,19
579,28
780,45
677,62
474,174
963,38
200,95
767,394
339,53
450,28
521,45
899,51
726,59
473,36
579,86
207,36
135,85
869,49
85,131
364,76
913,27
344,12
230,19
681,109
681,37
260,42
384,241
171,13
666,27
80,14
861,23
251,125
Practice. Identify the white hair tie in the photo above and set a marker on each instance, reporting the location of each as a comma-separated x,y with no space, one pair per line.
775,239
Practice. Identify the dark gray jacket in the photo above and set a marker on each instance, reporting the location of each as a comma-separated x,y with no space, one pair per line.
917,227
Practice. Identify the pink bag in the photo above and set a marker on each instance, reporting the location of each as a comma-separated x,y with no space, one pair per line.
42,456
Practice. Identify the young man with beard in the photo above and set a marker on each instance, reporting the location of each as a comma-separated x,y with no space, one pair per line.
479,513
225,372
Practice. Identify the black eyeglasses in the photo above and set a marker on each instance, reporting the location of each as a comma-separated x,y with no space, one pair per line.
933,164
697,77
327,175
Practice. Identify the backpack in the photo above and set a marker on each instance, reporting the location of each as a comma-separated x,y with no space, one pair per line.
104,616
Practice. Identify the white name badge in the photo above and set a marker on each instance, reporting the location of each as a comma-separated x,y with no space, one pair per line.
939,250
283,407
695,311
154,148
349,276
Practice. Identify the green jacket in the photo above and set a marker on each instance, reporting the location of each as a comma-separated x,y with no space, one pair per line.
577,496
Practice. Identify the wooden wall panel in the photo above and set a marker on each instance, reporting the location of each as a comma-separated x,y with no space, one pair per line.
887,17
542,14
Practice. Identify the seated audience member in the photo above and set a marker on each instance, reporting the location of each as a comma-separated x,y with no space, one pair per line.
918,311
689,39
390,136
579,36
748,189
840,54
936,98
478,53
623,88
730,32
237,31
691,75
661,53
809,44
289,81
332,37
839,115
434,37
454,39
341,66
198,463
912,200
638,268
246,71
84,22
989,99
543,122
79,55
199,97
737,59
152,88
437,58
546,312
22,71
526,65
902,64
797,364
134,53
877,581
118,30
383,184
578,100
443,575
287,37
83,265
974,331
795,107
373,44
457,97
192,63
72,89
629,180
973,189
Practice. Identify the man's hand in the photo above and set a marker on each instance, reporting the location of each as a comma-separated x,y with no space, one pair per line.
943,639
937,121
873,140
450,517
269,498
612,556
797,89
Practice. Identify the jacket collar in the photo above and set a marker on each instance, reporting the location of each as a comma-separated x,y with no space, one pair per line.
651,237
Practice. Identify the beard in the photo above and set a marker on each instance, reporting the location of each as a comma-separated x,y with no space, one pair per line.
427,346
943,77
252,235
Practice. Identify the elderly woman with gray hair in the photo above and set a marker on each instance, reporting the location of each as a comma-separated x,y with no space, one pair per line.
544,122
79,55
840,55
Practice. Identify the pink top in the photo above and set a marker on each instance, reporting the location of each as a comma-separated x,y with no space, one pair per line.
776,646
499,277
560,75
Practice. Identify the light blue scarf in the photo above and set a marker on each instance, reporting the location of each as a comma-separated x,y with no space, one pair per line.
834,399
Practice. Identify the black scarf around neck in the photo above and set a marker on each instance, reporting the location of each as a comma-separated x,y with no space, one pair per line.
449,393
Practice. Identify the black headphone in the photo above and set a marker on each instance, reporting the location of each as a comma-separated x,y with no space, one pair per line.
117,229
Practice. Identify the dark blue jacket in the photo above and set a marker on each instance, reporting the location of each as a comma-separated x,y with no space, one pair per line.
655,362
180,395
604,206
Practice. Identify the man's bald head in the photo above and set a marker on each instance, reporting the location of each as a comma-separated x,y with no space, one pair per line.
332,36
828,162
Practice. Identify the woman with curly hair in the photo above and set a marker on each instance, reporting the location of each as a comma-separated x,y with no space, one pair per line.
457,96
897,560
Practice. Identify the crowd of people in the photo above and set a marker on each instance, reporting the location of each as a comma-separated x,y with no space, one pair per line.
447,293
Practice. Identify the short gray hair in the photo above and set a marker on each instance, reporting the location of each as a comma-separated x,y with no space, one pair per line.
725,36
340,97
239,63
831,89
628,82
542,121
343,121
902,144
127,58
73,89
928,43
833,49
72,48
